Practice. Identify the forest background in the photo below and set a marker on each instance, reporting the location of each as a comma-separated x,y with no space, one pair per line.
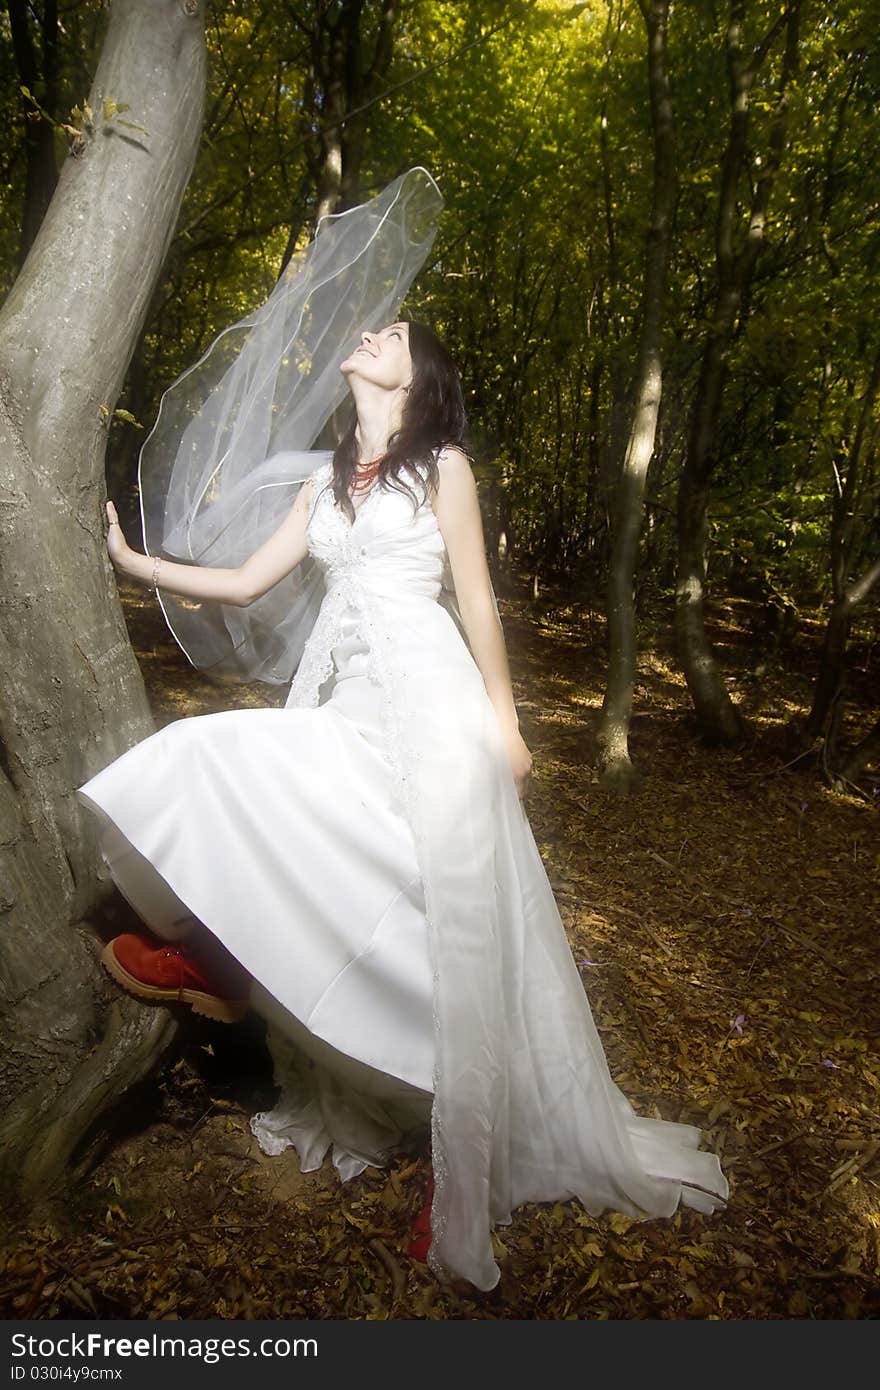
656,270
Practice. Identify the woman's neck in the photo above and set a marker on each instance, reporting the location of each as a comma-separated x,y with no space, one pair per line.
378,417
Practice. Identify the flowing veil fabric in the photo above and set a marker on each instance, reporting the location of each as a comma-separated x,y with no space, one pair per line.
524,1108
234,435
524,1105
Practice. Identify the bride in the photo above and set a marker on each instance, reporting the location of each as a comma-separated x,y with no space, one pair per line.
363,853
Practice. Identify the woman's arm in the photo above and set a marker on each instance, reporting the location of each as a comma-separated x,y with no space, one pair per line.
275,558
457,509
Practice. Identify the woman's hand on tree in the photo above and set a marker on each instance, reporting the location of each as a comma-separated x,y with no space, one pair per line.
520,761
117,546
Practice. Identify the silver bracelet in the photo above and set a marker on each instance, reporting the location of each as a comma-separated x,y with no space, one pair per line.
154,580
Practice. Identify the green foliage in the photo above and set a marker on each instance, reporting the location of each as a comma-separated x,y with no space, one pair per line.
533,115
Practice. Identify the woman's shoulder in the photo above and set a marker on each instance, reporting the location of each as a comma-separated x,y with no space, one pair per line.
453,461
454,493
429,472
455,474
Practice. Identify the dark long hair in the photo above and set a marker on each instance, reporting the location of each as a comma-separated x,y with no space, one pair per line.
433,419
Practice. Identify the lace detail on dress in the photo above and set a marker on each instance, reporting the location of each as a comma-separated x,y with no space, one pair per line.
316,664
335,543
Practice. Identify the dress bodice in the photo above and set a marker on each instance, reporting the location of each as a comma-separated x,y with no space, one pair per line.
384,571
393,548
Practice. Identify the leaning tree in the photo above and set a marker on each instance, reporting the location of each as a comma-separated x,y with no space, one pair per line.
71,694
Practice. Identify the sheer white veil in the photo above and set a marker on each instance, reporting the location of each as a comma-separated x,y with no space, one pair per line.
233,439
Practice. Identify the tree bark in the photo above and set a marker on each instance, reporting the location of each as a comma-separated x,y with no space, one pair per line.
72,696
615,764
716,714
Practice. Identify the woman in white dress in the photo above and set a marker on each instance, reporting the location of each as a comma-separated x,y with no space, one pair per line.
363,854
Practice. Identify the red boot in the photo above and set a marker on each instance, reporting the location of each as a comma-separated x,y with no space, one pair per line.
161,970
419,1245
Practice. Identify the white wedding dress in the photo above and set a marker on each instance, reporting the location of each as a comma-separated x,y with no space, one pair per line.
364,854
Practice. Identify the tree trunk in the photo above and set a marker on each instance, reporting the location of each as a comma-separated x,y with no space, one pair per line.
616,768
832,670
347,85
716,714
72,696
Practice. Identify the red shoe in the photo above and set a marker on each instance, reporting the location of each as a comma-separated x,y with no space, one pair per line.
156,969
420,1244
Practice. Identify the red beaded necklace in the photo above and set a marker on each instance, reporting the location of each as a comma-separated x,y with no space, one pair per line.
366,474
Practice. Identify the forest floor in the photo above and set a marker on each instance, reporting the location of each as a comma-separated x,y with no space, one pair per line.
725,923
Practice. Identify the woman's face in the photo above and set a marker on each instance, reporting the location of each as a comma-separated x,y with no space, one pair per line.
383,358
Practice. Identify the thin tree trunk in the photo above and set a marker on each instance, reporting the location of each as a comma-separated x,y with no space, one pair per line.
347,85
615,764
72,695
363,88
832,670
716,714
